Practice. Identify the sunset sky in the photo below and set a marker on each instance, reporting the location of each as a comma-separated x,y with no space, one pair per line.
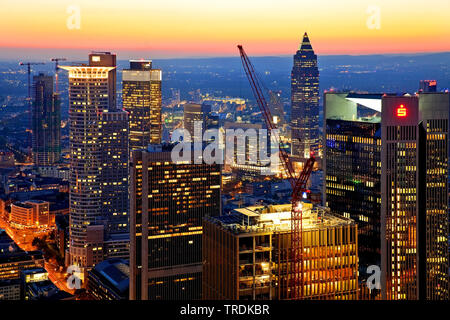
187,28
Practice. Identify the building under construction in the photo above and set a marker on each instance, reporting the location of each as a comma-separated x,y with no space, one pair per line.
246,254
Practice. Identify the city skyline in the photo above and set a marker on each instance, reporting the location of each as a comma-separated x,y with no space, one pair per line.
322,171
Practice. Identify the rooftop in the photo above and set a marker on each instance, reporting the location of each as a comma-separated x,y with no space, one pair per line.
115,272
277,218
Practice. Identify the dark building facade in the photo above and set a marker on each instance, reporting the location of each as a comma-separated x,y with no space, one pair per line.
414,193
353,168
46,123
304,101
168,202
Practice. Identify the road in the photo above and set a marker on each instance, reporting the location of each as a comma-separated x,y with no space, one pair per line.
23,238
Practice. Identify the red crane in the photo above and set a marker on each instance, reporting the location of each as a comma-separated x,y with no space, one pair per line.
298,183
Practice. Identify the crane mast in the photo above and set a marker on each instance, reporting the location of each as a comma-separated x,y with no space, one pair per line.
298,184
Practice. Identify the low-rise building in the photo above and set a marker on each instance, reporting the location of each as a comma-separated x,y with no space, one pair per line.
246,254
13,263
109,280
31,214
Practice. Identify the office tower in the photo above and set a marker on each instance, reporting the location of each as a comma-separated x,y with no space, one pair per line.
141,96
194,112
414,193
304,102
168,202
428,86
114,171
352,168
99,162
46,123
246,254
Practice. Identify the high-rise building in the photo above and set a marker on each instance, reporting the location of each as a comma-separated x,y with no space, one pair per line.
99,163
195,112
428,86
246,254
304,102
352,164
141,96
414,193
46,123
168,202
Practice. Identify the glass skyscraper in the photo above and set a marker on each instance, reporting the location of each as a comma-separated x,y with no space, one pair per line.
141,87
352,166
414,193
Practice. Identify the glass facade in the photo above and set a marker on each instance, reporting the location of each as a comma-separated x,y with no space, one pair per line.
415,196
46,125
353,171
141,98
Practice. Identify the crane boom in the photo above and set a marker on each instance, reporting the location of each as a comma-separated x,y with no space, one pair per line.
298,184
56,61
262,103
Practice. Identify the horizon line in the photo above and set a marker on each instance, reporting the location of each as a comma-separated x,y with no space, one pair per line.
198,57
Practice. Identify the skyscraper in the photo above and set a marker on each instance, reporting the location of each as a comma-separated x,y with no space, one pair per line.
168,203
141,87
304,102
352,164
414,193
46,123
195,112
99,162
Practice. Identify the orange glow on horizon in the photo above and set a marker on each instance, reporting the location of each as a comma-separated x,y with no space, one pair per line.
207,28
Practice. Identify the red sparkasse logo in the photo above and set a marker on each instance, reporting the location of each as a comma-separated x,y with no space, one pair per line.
401,111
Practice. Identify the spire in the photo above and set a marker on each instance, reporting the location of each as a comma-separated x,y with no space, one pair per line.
305,45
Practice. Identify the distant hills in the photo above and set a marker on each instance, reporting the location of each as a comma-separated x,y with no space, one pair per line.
224,76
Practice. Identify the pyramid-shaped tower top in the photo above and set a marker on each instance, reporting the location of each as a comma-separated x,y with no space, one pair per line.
305,45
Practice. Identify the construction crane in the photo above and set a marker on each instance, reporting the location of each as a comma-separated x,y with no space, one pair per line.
29,64
298,184
56,60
